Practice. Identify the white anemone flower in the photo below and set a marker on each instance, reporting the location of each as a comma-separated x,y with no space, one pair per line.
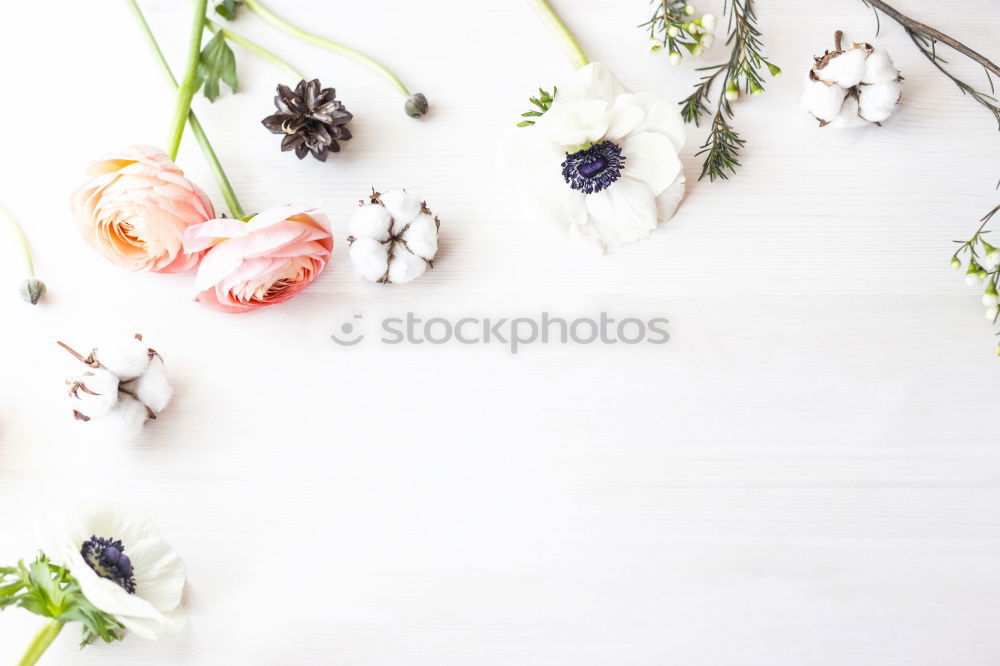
601,164
124,568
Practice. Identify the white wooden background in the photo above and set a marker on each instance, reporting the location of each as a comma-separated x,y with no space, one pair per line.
808,473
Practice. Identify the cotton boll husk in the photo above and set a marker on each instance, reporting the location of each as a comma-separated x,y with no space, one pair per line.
122,423
370,258
127,358
879,68
402,206
845,69
371,221
422,236
405,266
102,382
848,116
823,101
152,387
879,100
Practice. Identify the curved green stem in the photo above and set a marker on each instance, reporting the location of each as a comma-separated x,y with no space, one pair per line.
560,32
281,24
22,239
189,82
256,49
43,639
199,133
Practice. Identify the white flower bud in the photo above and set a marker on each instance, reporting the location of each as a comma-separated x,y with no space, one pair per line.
689,10
992,312
708,22
674,31
654,45
675,58
973,279
707,40
992,258
990,300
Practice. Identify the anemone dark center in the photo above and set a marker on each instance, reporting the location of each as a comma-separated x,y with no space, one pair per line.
108,560
595,168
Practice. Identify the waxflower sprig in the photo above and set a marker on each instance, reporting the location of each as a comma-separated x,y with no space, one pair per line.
982,267
743,71
594,160
108,570
32,289
672,29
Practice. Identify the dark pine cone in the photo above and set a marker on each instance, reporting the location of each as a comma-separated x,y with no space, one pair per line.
311,119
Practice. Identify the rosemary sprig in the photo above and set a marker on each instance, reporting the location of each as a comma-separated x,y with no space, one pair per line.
744,70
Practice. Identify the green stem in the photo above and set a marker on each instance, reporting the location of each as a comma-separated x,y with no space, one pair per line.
256,7
43,639
560,32
199,132
22,239
256,49
189,82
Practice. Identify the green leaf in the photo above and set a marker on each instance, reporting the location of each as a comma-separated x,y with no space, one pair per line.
227,8
543,102
217,63
49,590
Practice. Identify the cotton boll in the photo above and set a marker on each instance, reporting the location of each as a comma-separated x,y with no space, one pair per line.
371,221
402,206
422,236
152,387
123,423
370,258
867,89
94,393
879,68
846,69
823,101
878,100
397,242
405,266
848,116
126,359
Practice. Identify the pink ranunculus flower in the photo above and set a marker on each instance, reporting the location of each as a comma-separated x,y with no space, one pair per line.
134,209
263,261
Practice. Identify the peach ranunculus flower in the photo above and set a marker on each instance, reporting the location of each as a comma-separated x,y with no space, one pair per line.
263,261
134,208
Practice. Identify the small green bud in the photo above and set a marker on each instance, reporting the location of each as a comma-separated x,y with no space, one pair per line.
32,290
774,69
732,91
956,263
416,105
689,10
755,88
673,31
973,267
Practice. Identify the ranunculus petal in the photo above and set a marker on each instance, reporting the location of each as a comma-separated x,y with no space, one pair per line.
134,208
277,254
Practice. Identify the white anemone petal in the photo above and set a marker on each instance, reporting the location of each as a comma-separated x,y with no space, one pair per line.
594,81
651,159
622,213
